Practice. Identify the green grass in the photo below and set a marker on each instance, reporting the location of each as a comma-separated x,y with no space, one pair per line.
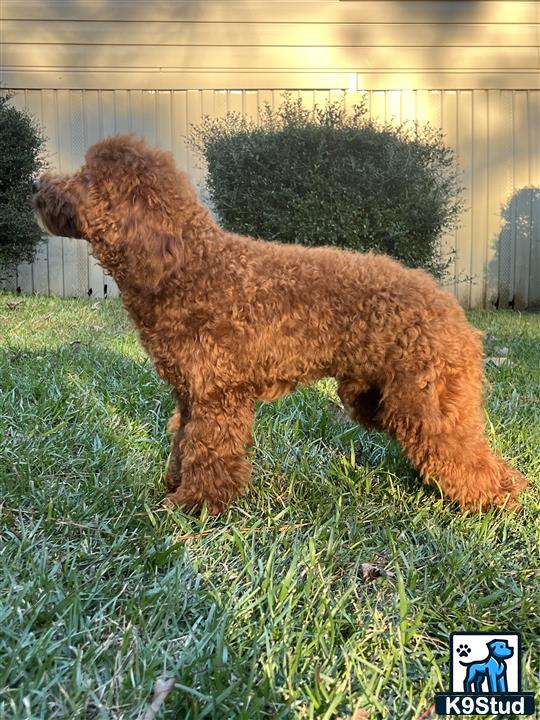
263,612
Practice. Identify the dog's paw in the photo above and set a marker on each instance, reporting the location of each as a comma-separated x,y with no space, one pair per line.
192,503
463,650
172,479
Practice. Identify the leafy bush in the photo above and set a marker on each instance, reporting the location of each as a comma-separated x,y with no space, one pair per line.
321,177
21,158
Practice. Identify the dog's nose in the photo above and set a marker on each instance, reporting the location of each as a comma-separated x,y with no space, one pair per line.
35,186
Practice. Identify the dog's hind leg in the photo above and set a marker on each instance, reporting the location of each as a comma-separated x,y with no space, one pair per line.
478,686
439,421
214,468
176,426
467,684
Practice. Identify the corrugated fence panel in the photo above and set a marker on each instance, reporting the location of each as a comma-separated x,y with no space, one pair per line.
534,135
93,132
40,266
449,128
523,200
479,197
495,133
464,233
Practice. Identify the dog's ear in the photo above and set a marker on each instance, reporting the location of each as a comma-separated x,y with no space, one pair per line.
150,252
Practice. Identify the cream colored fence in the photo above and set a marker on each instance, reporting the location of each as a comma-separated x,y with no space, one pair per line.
496,134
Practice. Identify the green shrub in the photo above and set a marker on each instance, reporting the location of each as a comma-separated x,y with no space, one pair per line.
321,177
21,144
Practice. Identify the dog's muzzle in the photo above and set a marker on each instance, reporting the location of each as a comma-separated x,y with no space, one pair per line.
56,207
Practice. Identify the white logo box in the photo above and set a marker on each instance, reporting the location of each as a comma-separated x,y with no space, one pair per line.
473,647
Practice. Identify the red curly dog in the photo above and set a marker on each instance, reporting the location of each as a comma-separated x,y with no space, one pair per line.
229,320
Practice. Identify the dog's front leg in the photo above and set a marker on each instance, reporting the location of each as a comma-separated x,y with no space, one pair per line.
212,452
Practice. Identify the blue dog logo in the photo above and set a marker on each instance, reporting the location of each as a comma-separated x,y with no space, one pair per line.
491,686
493,669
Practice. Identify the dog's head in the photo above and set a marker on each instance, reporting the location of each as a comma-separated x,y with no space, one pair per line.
129,201
500,649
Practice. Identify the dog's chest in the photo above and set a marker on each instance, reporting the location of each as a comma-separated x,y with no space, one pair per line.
165,344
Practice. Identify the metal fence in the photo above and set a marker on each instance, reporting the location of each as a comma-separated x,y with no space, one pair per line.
496,134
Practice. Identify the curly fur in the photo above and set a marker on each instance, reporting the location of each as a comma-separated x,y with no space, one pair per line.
229,320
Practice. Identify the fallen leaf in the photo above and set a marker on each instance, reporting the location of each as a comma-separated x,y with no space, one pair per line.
371,572
497,361
338,411
75,342
91,711
427,714
358,714
162,688
95,306
14,304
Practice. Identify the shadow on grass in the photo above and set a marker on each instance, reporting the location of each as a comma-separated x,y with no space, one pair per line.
79,420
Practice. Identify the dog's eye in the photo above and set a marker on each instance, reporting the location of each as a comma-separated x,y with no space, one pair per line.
86,182
84,177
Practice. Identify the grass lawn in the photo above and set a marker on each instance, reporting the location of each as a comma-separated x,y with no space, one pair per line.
261,613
